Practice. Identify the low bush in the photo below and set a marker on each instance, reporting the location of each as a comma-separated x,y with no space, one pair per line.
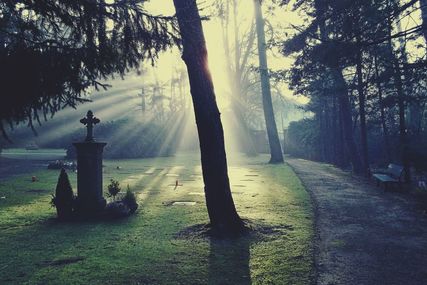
113,188
63,199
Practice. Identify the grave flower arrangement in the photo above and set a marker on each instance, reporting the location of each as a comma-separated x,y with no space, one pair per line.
123,207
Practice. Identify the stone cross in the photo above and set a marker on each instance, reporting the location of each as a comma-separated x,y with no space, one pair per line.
89,121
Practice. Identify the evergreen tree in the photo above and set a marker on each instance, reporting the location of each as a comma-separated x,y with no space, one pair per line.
51,52
354,51
64,197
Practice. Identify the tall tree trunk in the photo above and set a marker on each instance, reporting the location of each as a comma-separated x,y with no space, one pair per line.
329,133
243,133
398,82
342,95
221,209
413,105
382,111
362,112
335,133
270,121
347,122
423,5
343,150
402,121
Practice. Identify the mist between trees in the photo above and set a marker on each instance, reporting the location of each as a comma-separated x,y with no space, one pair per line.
361,64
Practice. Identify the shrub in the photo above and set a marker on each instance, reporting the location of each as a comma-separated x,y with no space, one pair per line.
130,200
124,207
64,198
114,188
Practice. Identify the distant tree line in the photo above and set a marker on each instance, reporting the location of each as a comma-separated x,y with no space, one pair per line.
363,65
149,139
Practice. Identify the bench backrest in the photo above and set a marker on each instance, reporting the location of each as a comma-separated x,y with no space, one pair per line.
395,170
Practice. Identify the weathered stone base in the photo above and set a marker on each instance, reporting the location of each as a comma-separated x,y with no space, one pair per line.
89,208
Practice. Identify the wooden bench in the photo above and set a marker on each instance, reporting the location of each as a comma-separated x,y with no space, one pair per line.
390,176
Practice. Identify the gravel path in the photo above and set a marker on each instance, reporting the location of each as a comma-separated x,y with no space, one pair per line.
364,235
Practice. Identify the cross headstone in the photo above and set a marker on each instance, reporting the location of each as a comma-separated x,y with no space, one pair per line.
89,171
89,121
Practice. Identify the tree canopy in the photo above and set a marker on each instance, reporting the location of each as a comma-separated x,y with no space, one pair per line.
52,51
378,51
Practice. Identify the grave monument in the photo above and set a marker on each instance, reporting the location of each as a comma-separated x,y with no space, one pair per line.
89,171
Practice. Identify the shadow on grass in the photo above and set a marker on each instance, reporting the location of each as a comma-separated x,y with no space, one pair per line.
145,248
229,261
229,257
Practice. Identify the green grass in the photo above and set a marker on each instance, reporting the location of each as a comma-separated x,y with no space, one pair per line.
147,248
22,153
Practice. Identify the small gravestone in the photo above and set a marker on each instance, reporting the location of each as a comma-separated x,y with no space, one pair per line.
197,193
89,171
184,203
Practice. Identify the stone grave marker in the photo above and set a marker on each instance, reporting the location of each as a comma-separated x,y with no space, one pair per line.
184,203
89,170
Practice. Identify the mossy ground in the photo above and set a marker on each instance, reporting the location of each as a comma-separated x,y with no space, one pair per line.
147,248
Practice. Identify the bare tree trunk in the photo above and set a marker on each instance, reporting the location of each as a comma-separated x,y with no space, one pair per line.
345,107
219,202
398,82
270,122
362,113
235,81
342,96
382,112
423,5
402,121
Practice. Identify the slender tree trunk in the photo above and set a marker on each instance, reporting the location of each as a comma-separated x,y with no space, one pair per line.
321,144
362,112
237,48
329,133
382,112
342,95
398,82
423,5
344,158
243,134
345,107
219,202
402,121
335,133
270,122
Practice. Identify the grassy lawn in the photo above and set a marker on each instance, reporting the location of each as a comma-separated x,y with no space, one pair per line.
153,246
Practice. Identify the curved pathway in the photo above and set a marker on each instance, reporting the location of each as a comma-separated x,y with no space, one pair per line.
364,235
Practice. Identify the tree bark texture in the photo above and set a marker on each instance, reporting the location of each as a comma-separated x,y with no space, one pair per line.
423,5
402,120
270,122
398,82
219,201
345,107
342,96
235,75
382,112
362,112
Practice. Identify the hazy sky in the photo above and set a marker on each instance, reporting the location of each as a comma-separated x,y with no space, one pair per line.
213,34
280,18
